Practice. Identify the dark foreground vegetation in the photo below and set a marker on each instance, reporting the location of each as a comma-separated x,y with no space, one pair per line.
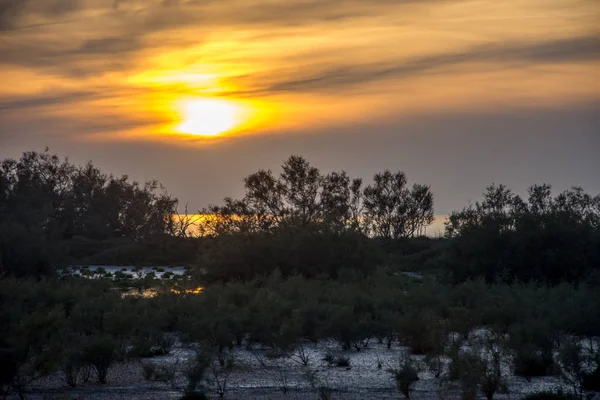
303,257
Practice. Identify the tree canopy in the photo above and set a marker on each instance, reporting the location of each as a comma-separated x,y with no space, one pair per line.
45,201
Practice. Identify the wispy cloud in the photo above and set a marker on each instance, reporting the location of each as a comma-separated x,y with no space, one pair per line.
585,48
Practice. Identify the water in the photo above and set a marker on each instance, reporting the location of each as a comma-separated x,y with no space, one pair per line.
129,271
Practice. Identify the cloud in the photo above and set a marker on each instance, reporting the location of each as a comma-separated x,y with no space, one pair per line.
153,15
61,98
109,45
25,102
14,12
584,48
89,57
106,50
108,34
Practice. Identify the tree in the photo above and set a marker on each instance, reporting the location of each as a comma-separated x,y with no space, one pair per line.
340,201
543,238
393,211
46,202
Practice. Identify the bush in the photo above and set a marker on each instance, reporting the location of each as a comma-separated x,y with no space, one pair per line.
324,393
121,275
148,370
194,396
435,363
71,365
166,373
342,361
339,361
100,354
146,352
329,358
591,382
405,375
195,369
548,395
165,342
533,364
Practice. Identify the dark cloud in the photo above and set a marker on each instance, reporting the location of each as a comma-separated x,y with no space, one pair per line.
50,128
264,14
66,98
585,48
155,15
23,102
10,10
89,57
107,46
114,52
13,13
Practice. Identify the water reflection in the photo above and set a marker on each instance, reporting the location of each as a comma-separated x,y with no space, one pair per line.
197,290
153,292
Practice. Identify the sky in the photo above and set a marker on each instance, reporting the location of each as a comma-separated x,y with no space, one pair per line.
458,94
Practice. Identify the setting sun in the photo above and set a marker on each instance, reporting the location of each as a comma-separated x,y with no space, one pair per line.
208,117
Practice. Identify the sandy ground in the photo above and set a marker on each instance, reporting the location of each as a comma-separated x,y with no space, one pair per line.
256,376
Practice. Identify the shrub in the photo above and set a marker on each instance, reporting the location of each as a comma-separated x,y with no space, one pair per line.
405,375
324,393
549,395
148,370
435,363
120,275
145,351
532,364
194,396
272,354
342,361
329,358
70,366
166,373
100,354
165,343
478,367
195,369
591,382
579,367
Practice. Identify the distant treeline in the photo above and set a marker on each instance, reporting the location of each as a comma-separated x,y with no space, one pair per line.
298,222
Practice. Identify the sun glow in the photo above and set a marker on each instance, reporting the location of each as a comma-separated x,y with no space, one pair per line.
209,117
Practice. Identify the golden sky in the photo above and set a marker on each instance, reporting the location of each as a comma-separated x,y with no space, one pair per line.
143,71
129,67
